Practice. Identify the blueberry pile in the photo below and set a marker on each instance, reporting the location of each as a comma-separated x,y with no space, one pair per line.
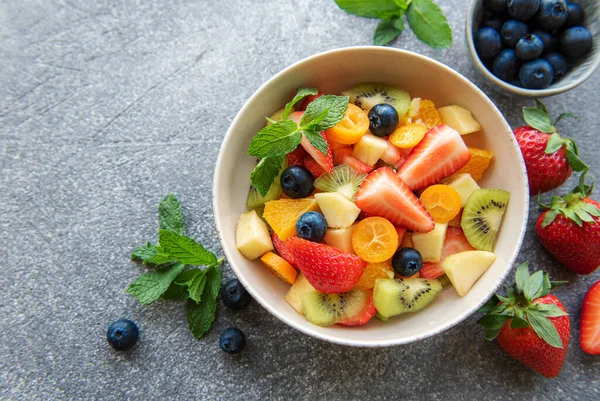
530,43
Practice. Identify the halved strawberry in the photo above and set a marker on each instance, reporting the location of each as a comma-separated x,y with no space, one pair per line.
325,161
308,99
340,154
401,231
392,155
365,314
441,153
590,321
344,156
282,249
328,269
311,165
455,242
296,158
384,194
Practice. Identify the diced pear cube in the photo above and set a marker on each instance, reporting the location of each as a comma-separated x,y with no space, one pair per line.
465,268
338,211
294,294
252,236
430,244
464,184
340,238
459,118
370,149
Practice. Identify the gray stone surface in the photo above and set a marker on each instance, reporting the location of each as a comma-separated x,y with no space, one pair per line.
105,106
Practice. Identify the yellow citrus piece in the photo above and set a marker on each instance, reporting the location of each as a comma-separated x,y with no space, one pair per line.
408,136
375,239
442,202
479,162
429,114
283,214
375,271
279,267
351,128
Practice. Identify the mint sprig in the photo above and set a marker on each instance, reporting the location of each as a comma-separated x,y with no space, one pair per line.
301,93
171,280
425,18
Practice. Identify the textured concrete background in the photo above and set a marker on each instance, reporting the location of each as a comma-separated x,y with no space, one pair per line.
106,106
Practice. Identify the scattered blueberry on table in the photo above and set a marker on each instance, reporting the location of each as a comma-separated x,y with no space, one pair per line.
232,340
234,295
122,334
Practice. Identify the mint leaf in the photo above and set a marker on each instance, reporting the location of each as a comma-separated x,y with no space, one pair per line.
278,139
533,285
185,250
521,276
148,287
213,281
337,106
201,316
317,141
544,328
187,276
175,292
373,8
388,30
429,23
144,253
196,287
301,93
265,173
538,119
170,216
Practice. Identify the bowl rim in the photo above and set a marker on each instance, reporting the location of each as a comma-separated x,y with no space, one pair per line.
529,93
307,327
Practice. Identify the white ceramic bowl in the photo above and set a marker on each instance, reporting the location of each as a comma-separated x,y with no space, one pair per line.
333,72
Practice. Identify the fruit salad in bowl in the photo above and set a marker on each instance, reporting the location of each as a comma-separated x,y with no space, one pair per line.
377,213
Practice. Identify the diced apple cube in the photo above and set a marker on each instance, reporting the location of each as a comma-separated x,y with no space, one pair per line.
464,184
340,238
459,118
252,236
294,294
465,268
430,244
338,211
370,149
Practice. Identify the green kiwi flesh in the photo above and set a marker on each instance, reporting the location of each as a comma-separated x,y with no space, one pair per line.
368,95
397,296
482,217
327,309
344,180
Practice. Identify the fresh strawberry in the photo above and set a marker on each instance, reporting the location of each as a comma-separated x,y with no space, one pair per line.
400,231
570,230
590,321
548,157
529,324
393,156
441,153
308,99
296,158
282,249
364,316
340,154
384,194
344,156
328,269
455,242
325,161
311,165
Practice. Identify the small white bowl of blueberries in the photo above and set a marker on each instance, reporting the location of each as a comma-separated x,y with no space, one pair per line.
535,48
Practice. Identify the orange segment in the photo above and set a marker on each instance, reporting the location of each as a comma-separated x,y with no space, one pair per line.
479,162
442,202
351,128
374,271
283,214
429,114
279,267
375,239
408,136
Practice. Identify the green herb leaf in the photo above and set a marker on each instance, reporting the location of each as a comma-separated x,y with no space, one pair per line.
144,253
373,8
429,23
201,316
388,30
555,142
538,119
317,141
265,172
533,285
316,122
278,139
170,216
175,292
550,310
337,106
185,250
196,287
148,287
521,276
491,303
544,328
187,276
301,93
563,115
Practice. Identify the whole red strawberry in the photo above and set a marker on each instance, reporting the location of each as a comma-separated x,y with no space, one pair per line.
549,158
590,321
570,230
529,324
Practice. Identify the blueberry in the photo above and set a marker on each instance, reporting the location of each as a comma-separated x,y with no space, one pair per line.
512,31
529,47
574,15
383,119
297,182
407,261
536,74
496,7
550,41
232,340
523,9
558,63
552,14
493,22
311,226
234,295
506,65
122,334
576,42
488,43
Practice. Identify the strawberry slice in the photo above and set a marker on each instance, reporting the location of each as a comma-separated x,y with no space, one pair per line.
343,155
282,249
324,161
455,242
441,153
384,194
296,158
392,155
365,314
311,165
328,269
590,321
340,154
308,99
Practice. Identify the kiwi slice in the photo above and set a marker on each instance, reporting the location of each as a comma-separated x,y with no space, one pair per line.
384,319
256,201
344,180
482,217
327,309
396,296
444,280
368,95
